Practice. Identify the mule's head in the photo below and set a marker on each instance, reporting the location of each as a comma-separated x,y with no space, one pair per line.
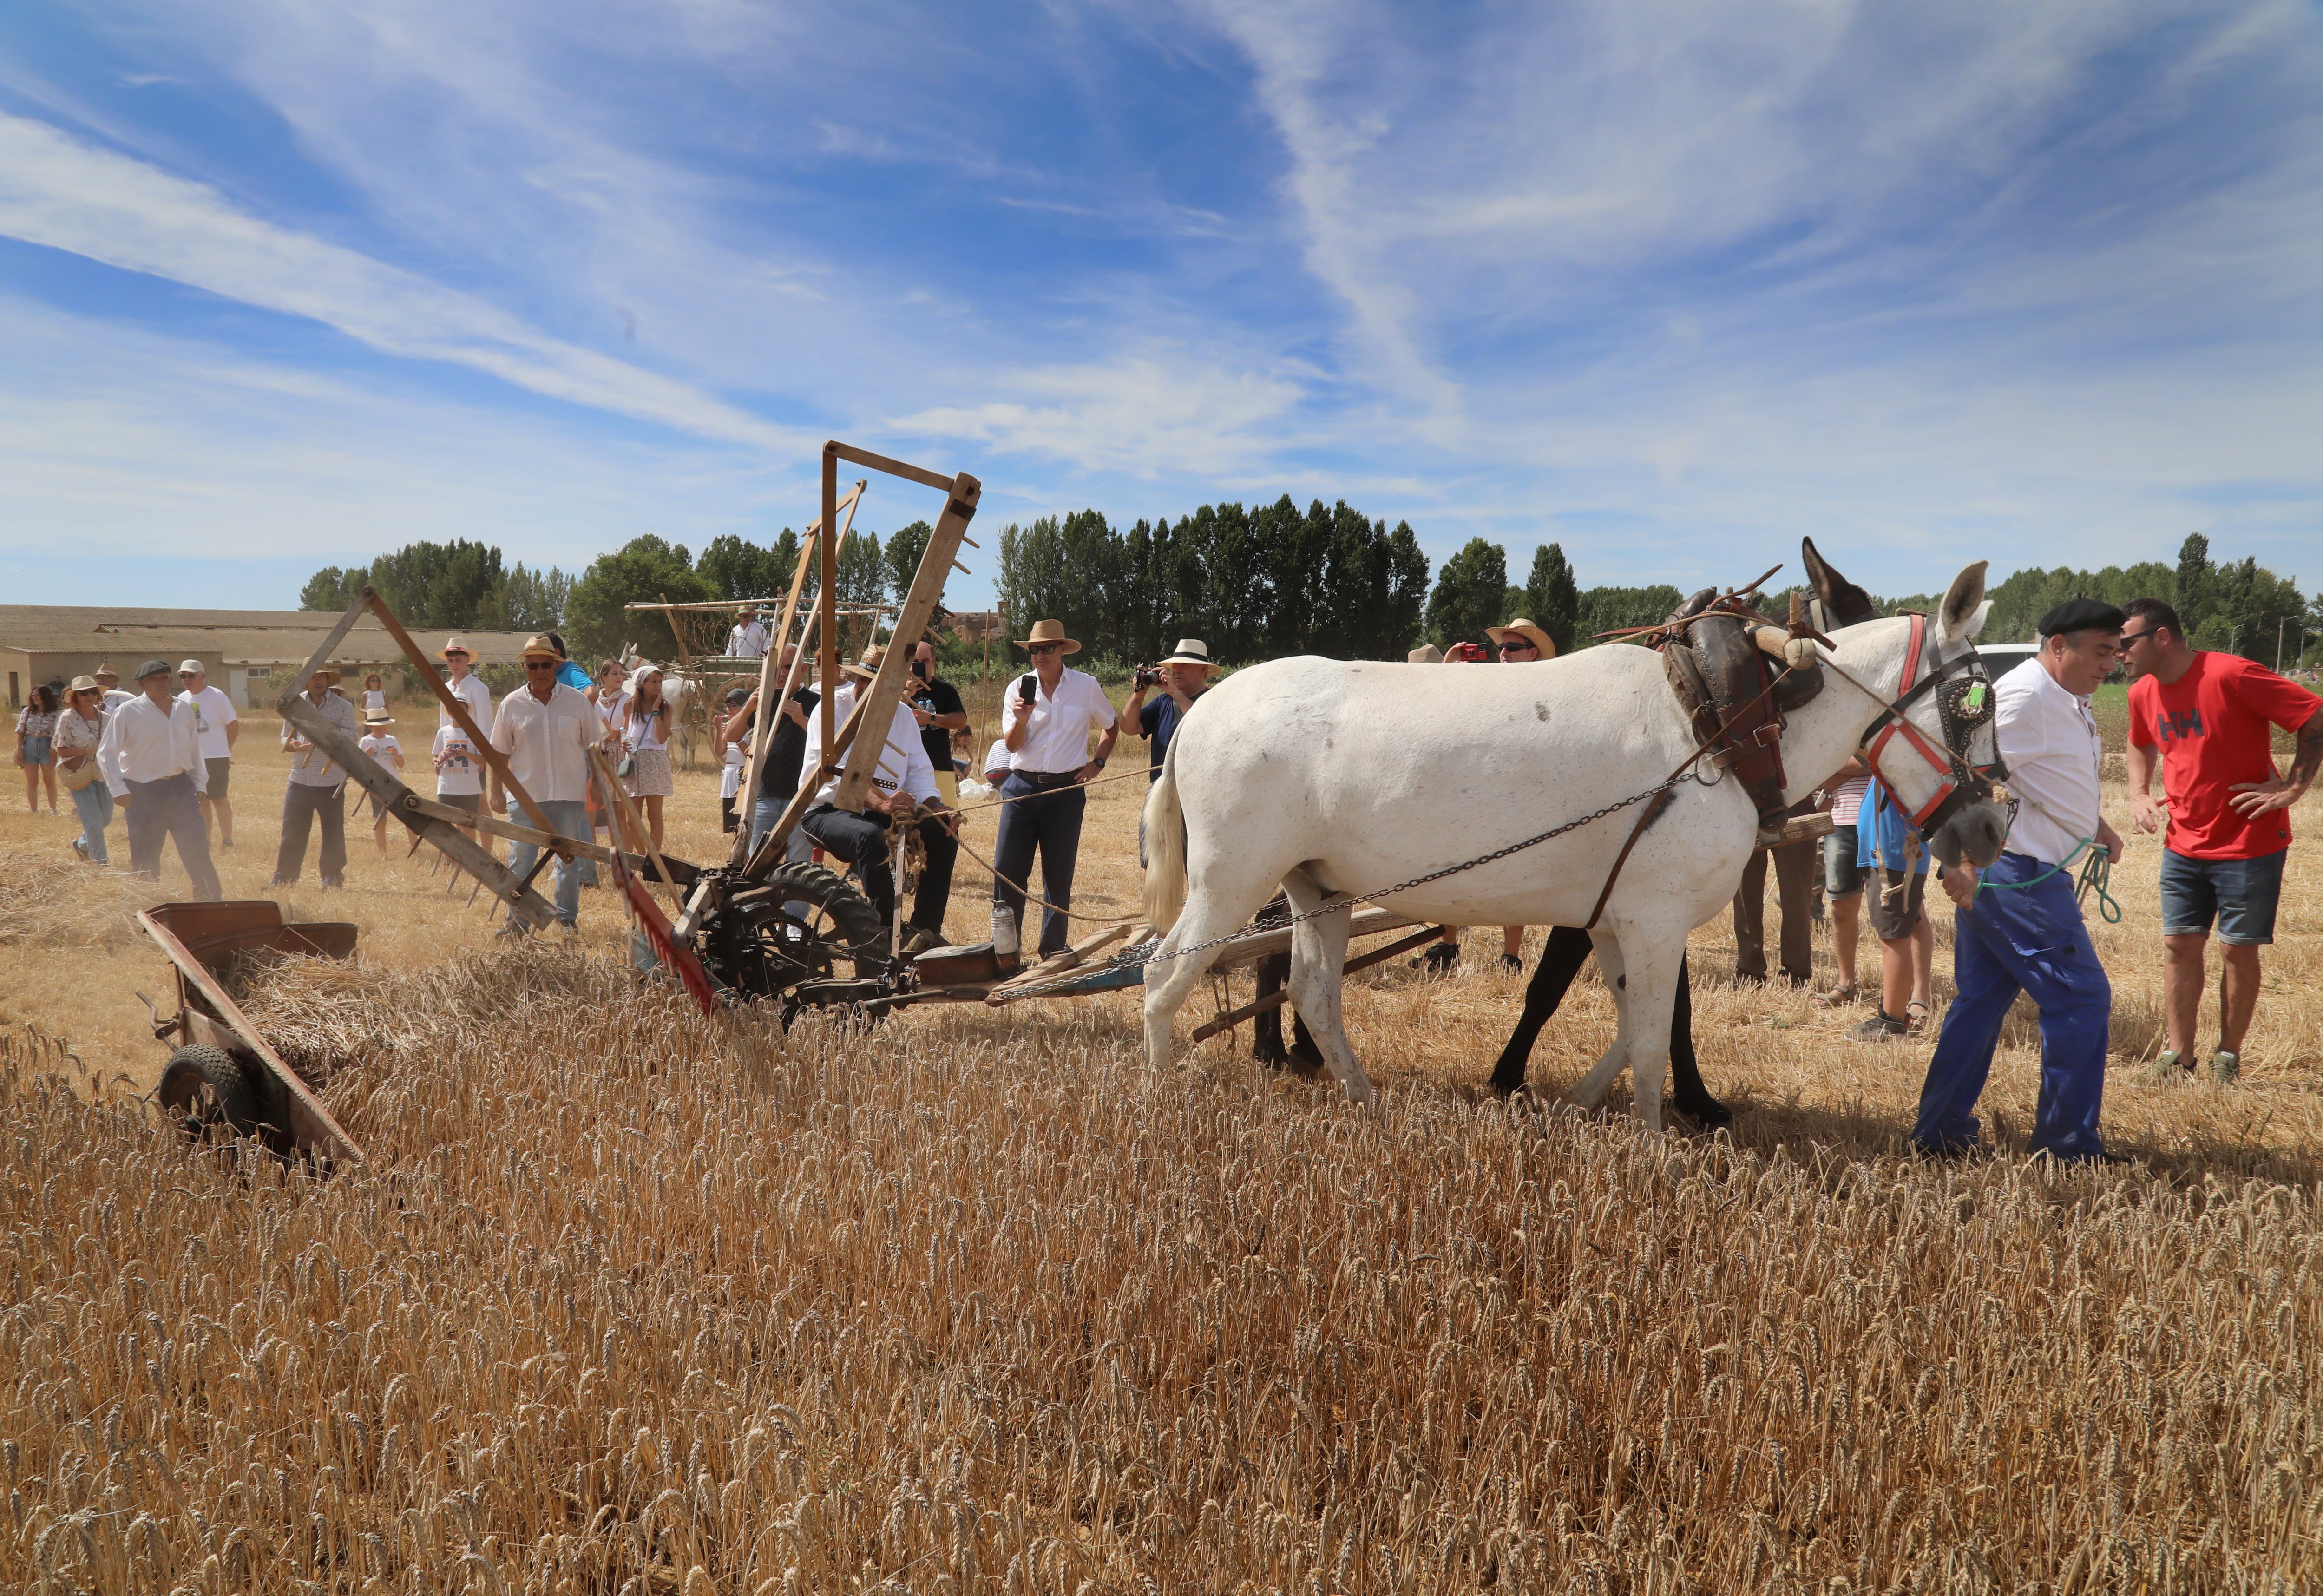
1935,746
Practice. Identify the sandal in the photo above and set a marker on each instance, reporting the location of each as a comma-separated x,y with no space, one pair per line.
1916,1015
1839,998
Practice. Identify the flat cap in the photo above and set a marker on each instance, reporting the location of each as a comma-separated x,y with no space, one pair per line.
154,667
2081,615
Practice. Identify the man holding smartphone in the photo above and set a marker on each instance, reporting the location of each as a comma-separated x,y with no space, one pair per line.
1047,715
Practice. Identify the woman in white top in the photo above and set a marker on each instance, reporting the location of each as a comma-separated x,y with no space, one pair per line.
374,695
80,727
645,732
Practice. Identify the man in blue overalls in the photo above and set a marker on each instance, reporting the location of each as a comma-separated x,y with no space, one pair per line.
2020,928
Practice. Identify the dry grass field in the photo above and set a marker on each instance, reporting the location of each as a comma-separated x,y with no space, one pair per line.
629,1300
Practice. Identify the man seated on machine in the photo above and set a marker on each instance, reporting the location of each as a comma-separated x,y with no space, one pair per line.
902,788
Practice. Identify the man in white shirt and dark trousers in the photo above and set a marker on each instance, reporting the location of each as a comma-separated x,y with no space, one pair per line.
546,729
1047,715
216,726
2020,928
903,777
151,756
318,789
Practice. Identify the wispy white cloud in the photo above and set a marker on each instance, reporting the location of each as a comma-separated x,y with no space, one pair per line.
66,195
1150,414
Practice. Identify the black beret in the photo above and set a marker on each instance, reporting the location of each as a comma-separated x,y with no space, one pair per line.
2082,615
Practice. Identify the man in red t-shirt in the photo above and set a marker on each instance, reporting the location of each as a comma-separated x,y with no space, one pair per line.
2228,815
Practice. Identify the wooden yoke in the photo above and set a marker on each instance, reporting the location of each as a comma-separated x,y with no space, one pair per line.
876,708
762,734
490,754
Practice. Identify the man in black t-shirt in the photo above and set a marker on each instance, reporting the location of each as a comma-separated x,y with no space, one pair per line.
778,777
936,706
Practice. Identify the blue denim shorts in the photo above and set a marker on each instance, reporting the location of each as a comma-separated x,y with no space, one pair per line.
2239,894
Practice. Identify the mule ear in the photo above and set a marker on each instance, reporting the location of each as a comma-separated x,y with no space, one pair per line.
1844,602
1961,615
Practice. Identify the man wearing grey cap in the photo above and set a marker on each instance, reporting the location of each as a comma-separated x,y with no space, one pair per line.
150,757
2019,927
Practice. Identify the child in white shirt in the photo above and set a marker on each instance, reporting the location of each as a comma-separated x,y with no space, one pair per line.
380,743
459,773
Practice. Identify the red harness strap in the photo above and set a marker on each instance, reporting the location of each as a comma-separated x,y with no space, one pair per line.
1898,722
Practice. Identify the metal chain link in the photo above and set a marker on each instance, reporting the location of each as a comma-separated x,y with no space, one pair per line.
1124,959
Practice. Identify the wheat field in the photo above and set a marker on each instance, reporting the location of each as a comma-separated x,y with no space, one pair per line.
629,1300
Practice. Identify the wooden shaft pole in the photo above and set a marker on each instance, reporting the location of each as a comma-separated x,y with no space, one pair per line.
830,542
1251,1010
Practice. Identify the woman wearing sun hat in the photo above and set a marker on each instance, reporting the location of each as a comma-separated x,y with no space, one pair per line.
1046,717
644,717
80,729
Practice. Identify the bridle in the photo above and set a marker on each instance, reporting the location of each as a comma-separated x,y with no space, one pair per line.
1964,703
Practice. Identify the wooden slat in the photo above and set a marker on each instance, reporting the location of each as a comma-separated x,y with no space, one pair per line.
1055,965
322,655
1257,945
310,1123
886,689
894,468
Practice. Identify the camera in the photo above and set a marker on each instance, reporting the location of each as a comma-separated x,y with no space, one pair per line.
1468,654
1148,676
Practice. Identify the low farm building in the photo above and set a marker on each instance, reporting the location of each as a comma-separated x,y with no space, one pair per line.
238,647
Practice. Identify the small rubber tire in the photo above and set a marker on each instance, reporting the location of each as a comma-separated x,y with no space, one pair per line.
207,1089
856,926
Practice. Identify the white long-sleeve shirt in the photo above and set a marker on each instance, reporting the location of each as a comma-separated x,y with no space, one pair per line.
144,742
903,763
2049,740
747,640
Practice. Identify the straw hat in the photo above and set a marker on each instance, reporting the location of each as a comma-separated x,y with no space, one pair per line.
378,718
84,684
868,667
104,670
323,671
1541,640
538,646
1049,631
1426,653
1190,651
456,647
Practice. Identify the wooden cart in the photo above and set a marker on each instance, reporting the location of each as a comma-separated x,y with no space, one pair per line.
223,1077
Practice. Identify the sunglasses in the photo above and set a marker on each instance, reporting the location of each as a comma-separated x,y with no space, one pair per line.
1045,649
2129,638
539,665
1519,646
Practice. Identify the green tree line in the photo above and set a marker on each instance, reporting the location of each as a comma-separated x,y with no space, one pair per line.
1253,584
2239,607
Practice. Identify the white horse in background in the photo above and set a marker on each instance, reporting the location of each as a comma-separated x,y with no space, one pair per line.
1346,777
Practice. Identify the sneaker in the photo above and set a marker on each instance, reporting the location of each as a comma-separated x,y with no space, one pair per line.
80,848
226,845
1882,1026
2166,1070
2225,1067
1440,960
1513,964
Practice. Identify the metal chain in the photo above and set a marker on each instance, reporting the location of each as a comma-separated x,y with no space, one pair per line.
1124,959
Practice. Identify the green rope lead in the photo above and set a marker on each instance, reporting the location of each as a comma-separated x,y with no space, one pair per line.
2097,872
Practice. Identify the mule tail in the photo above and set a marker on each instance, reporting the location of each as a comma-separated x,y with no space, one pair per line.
1165,849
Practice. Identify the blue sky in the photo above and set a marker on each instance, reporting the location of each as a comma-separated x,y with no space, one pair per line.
287,283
